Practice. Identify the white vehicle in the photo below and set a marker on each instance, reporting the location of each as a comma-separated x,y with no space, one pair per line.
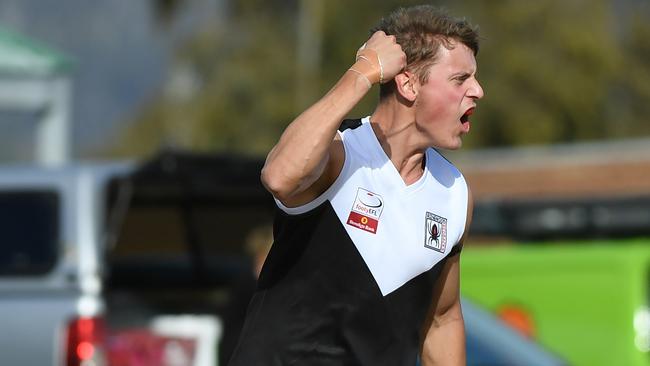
94,250
51,305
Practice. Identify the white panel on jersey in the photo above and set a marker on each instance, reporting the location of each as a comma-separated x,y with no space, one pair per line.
400,231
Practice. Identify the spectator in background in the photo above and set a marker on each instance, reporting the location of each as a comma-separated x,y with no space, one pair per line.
241,290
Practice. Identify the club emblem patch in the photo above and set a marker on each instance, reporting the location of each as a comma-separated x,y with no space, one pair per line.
435,232
366,211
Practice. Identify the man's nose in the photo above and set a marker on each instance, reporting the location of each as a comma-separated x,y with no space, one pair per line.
476,91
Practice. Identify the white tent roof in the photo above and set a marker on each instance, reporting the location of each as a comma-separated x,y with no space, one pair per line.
21,56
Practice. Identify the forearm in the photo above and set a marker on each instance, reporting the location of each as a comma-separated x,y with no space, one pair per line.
445,341
301,154
306,147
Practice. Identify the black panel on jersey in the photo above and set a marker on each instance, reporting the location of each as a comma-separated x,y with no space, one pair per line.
410,303
349,124
455,250
318,304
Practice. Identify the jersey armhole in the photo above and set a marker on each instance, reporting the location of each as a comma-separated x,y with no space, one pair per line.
455,250
325,195
460,179
458,246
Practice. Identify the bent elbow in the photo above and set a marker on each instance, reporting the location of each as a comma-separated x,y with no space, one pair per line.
275,183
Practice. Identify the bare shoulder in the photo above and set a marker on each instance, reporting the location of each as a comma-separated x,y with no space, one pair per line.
331,171
337,157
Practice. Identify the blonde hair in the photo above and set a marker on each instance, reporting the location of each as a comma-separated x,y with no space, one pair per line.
420,30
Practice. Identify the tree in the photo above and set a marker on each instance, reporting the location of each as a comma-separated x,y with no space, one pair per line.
246,71
552,72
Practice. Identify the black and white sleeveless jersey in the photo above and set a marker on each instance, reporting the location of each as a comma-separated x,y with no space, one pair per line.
350,275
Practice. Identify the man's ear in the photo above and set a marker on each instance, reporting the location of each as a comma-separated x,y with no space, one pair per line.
406,85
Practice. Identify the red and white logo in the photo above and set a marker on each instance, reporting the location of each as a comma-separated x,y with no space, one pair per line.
366,211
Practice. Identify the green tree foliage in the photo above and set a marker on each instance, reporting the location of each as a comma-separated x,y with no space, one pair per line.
549,69
553,71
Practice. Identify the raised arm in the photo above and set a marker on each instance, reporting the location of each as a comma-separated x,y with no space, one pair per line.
444,331
309,156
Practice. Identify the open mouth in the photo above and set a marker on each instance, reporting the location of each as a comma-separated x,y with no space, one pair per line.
465,117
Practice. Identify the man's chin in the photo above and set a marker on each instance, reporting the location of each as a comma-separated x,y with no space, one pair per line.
451,145
459,142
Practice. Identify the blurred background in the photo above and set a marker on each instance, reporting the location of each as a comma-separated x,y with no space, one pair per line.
132,113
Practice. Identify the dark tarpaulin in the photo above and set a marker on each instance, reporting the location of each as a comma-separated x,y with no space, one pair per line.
214,196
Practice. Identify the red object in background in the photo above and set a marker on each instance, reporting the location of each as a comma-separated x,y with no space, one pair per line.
518,319
140,347
85,341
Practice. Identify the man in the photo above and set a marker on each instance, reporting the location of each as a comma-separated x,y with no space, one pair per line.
364,269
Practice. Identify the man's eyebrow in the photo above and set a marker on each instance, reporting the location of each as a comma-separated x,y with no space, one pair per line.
460,74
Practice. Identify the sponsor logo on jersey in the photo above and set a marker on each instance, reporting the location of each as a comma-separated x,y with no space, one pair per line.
435,232
366,211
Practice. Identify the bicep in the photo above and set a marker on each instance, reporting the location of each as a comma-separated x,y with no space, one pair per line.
447,289
446,296
325,176
443,338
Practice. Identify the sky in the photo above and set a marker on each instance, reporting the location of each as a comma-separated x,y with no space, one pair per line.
121,55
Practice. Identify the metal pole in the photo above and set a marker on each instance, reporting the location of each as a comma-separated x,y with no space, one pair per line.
310,24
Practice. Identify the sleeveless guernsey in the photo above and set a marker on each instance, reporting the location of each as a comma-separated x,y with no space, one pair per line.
349,278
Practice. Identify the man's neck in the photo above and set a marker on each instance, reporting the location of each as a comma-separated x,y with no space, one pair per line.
395,128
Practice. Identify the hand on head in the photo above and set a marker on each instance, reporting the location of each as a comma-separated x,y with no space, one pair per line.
380,58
